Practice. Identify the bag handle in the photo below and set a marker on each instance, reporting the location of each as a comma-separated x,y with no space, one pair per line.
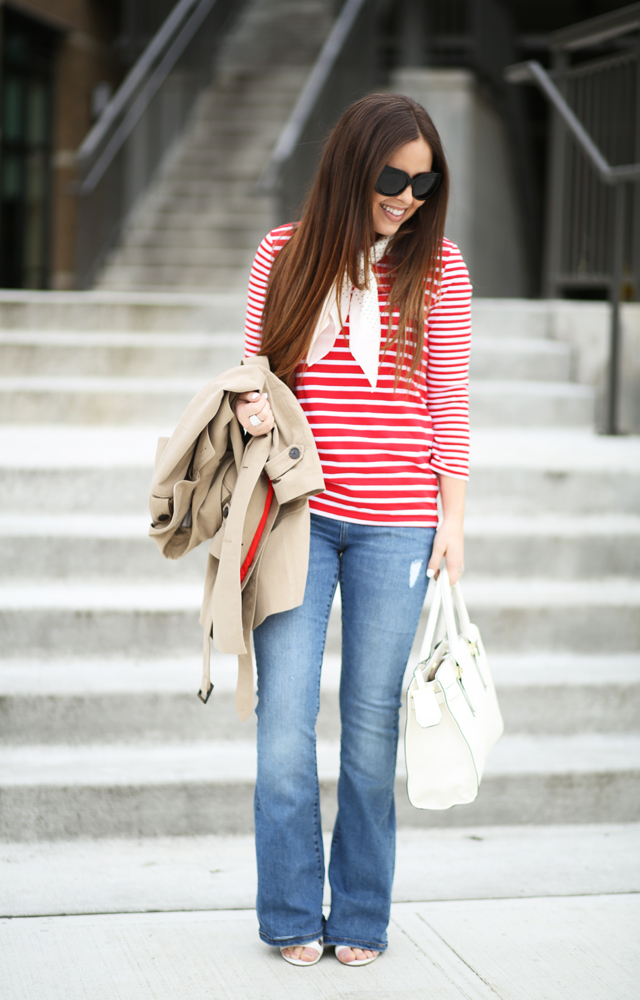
467,628
427,643
461,607
449,614
441,599
444,597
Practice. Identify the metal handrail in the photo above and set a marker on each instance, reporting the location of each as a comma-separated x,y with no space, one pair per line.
596,29
533,72
138,88
124,150
134,78
291,133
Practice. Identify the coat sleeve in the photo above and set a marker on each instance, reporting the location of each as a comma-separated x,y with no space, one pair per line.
449,345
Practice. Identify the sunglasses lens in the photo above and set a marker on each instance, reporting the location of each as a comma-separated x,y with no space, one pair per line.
391,182
425,185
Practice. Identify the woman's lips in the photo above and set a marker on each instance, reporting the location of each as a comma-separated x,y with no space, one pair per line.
393,213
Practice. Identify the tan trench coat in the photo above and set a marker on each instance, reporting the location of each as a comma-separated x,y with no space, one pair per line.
250,500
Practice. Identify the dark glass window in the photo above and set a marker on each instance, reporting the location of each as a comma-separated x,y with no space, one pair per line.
28,51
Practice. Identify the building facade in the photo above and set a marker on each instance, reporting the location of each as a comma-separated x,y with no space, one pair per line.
62,59
59,65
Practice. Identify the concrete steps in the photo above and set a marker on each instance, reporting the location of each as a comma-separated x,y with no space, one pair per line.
108,353
122,311
99,545
81,374
530,404
138,401
59,470
524,359
561,545
100,640
201,787
104,354
130,751
90,400
93,700
86,616
187,256
219,236
201,278
176,237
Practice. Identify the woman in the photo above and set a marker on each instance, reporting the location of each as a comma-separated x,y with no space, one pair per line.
363,309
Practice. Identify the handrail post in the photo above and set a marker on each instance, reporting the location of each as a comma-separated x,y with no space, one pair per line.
555,207
613,373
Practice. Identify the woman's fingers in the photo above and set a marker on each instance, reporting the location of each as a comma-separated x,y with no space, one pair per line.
454,558
448,545
249,402
437,552
264,412
254,404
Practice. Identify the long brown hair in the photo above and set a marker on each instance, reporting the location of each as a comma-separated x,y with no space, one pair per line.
338,221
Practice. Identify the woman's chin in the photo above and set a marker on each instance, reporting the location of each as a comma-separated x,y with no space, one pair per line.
385,227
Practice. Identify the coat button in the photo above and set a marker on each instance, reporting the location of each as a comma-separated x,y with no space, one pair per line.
164,517
294,453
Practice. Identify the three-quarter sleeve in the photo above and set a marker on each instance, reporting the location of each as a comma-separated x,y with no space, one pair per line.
448,346
258,281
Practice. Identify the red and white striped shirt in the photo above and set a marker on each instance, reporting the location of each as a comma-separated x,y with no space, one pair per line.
381,448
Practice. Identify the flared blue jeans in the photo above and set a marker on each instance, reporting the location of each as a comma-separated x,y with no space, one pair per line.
382,576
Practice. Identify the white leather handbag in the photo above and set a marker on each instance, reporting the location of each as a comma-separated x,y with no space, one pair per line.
453,718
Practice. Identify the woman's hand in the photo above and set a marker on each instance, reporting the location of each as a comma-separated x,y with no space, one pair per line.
450,544
449,539
249,404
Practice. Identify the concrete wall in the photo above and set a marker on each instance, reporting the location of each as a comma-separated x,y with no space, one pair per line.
483,218
586,326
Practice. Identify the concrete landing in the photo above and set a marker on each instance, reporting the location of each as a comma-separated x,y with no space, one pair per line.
515,949
219,872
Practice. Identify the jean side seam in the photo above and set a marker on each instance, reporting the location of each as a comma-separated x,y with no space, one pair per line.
319,852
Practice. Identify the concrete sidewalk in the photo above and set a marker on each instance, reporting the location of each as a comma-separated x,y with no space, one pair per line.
514,949
516,913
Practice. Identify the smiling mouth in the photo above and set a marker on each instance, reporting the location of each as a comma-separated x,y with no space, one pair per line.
393,213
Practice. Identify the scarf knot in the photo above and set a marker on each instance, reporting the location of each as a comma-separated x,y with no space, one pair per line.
360,306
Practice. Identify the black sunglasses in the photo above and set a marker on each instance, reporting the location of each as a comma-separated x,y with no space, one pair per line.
392,182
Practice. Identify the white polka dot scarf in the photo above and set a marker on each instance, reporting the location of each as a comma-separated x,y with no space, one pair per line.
361,307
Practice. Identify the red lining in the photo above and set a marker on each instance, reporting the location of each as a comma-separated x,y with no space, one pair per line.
258,535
